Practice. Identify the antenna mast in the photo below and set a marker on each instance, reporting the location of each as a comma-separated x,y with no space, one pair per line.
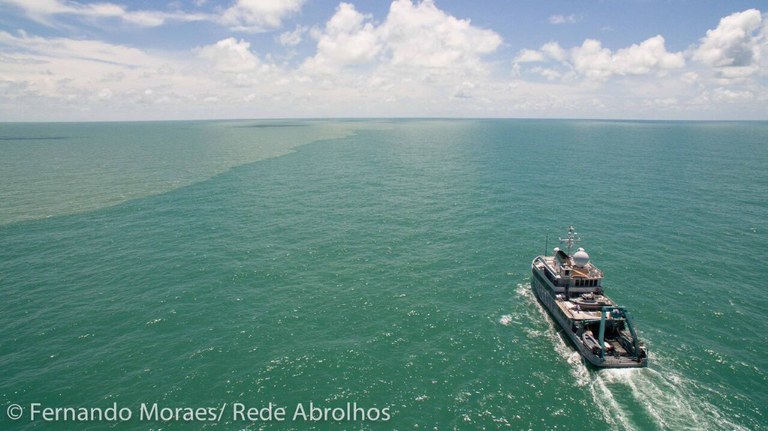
570,239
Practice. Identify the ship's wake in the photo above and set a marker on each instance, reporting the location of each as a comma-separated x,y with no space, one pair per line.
651,398
639,399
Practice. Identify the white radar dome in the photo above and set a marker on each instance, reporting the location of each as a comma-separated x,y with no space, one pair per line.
580,258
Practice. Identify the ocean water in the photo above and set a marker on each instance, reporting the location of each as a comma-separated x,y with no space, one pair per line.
381,263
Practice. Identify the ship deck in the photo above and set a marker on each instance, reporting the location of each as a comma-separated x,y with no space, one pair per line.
574,312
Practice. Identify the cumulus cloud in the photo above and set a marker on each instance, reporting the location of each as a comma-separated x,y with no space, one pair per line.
548,52
554,51
348,39
230,55
424,35
415,60
594,61
732,60
417,57
412,36
734,42
259,15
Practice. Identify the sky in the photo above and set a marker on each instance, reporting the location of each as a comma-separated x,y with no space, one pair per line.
114,60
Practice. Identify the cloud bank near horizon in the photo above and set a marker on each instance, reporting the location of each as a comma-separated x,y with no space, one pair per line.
417,60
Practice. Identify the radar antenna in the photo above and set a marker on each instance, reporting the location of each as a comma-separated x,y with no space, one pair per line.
570,239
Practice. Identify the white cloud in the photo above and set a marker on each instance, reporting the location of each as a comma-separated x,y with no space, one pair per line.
726,95
423,35
413,36
347,39
59,76
764,47
564,19
44,11
529,56
259,15
230,55
732,63
549,74
554,51
251,16
733,42
735,74
82,50
417,60
651,55
662,102
464,91
593,61
690,77
292,38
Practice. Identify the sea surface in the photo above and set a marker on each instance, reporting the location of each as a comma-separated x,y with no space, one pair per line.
383,263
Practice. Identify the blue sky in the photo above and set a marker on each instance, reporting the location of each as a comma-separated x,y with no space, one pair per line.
194,59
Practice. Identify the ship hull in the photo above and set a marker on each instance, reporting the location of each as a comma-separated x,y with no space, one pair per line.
539,285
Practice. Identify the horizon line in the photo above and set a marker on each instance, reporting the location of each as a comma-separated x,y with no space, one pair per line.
441,118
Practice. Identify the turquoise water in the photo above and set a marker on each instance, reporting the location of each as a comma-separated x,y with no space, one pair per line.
382,263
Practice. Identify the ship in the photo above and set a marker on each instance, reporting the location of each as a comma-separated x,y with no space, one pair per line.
570,287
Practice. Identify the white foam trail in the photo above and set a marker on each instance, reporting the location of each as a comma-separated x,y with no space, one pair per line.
670,400
524,291
613,412
578,369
